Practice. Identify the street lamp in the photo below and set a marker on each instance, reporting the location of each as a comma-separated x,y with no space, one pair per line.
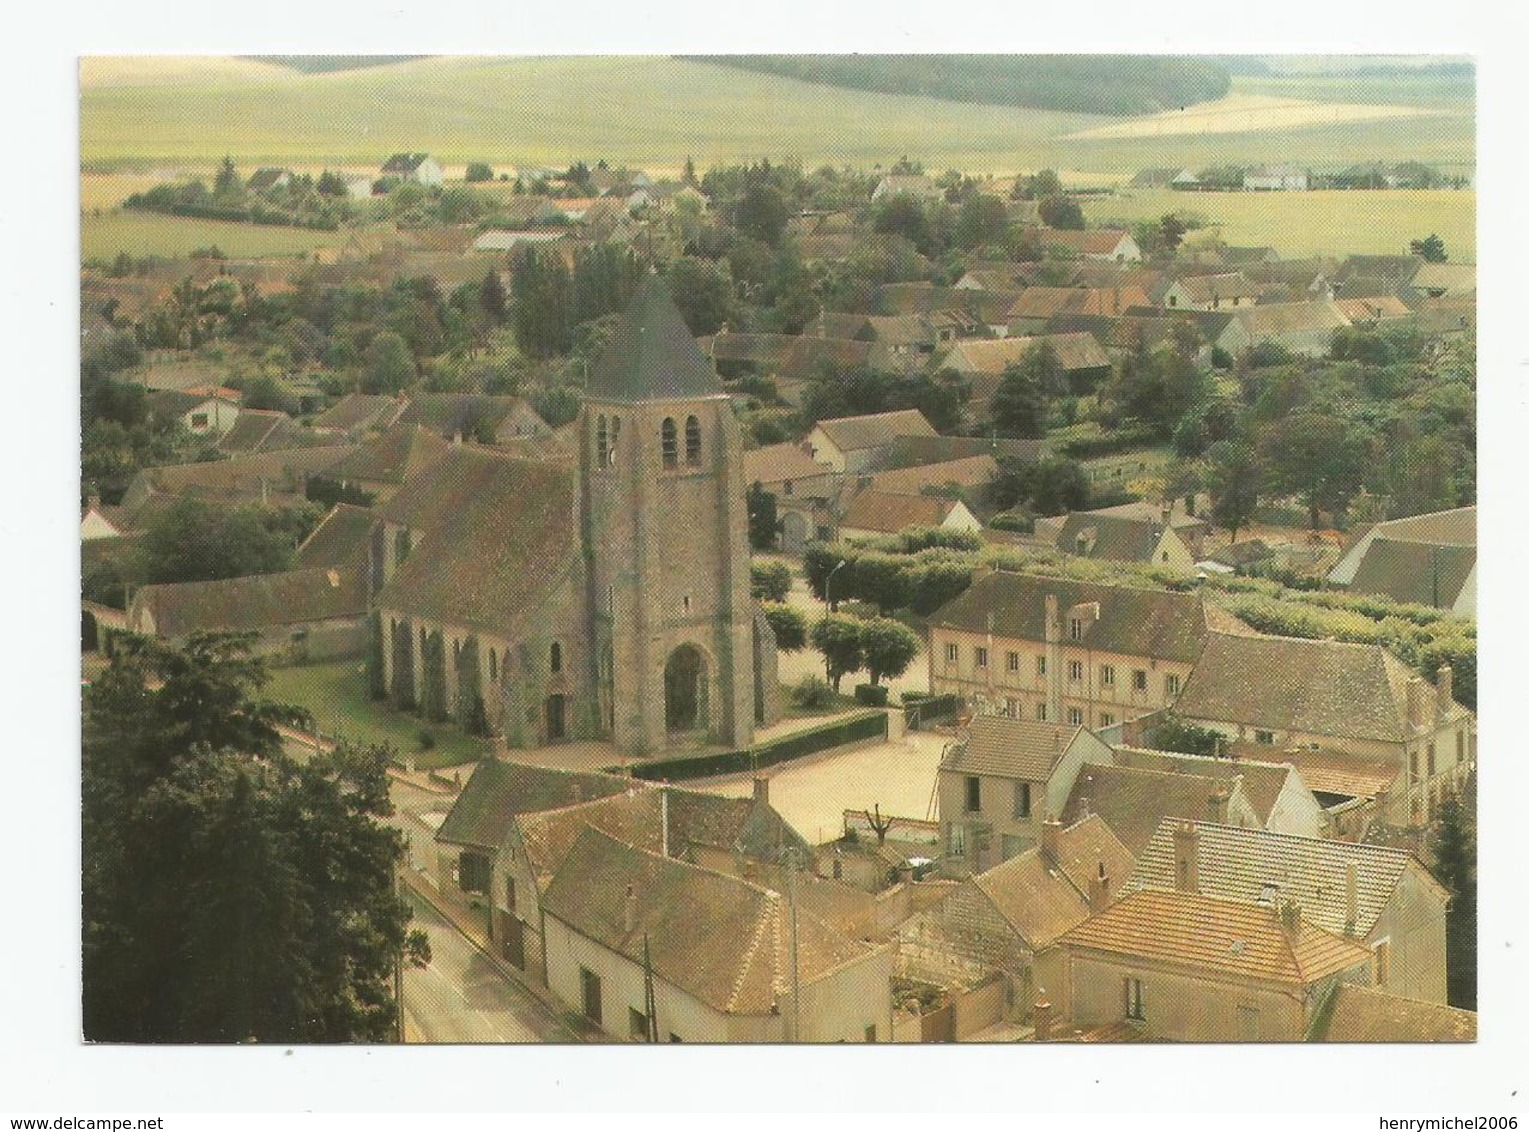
828,585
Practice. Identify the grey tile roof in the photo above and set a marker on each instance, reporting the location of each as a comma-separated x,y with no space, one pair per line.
874,430
1135,800
1134,622
1022,749
1328,688
1368,1014
499,790
259,601
1415,572
1236,864
651,354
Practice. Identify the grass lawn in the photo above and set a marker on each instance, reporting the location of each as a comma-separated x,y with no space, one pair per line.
336,695
145,233
1329,222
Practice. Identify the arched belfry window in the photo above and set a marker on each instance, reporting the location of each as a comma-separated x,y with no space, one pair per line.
692,442
602,443
671,444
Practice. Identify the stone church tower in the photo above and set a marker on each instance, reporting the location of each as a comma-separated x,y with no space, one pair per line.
676,639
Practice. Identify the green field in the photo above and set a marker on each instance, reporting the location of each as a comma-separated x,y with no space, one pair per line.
654,112
143,233
1303,224
336,695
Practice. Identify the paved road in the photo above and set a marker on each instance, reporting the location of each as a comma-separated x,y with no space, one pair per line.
462,997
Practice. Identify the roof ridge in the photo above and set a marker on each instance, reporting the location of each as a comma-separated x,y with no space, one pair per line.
769,915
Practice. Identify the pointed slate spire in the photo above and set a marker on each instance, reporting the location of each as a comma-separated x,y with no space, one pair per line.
651,355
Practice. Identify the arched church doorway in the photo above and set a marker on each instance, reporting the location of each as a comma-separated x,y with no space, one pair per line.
685,689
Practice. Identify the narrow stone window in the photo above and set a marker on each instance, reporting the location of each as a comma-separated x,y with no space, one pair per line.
602,443
671,444
693,442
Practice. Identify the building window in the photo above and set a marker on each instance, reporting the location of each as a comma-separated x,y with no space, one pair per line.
1011,661
555,657
1139,680
1107,675
1040,666
602,443
473,872
1459,747
952,653
1432,765
974,795
981,657
1075,670
636,1024
493,664
615,436
509,893
1075,630
1413,767
589,987
692,442
1136,1008
671,444
1011,708
1021,799
1106,719
1382,962
1040,712
1264,737
789,487
1172,683
1075,716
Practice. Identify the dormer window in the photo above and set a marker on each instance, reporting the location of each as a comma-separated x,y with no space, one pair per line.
1076,628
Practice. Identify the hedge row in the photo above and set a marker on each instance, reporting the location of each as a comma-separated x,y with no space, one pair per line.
866,725
251,215
930,708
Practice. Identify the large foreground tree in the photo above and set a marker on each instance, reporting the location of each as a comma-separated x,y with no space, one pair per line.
230,892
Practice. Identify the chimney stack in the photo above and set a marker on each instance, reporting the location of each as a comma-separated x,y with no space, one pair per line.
629,915
1053,620
1446,685
1042,1014
1290,920
1051,839
1186,854
1099,890
1218,805
1415,702
762,789
1351,917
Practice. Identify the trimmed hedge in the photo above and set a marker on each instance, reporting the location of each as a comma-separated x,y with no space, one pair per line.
872,695
930,708
866,725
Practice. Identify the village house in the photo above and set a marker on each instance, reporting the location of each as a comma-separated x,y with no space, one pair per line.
1129,532
307,614
201,414
266,178
742,836
860,444
1000,782
871,513
650,948
803,490
1304,328
1033,311
1276,178
1277,795
418,167
1211,292
358,413
912,451
1108,245
983,362
1424,560
262,430
379,467
1176,965
968,477
1349,698
1374,895
607,597
1063,651
1005,920
342,538
1133,800
482,417
266,478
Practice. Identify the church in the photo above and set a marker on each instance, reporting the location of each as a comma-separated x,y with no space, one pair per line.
603,597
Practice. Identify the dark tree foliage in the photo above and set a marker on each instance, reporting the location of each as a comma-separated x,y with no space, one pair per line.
539,290
763,523
194,541
889,647
1234,478
1062,212
1430,247
837,637
1317,457
851,392
479,171
702,292
1053,486
492,298
1173,734
230,893
770,581
1452,843
789,625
